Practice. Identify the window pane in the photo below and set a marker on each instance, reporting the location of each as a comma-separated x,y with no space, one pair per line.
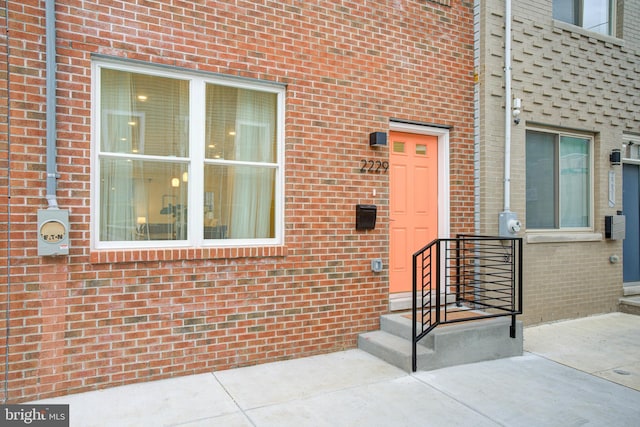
597,16
240,124
540,177
142,200
566,11
144,114
594,15
239,202
574,182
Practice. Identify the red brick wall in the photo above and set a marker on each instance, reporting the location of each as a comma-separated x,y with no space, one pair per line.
96,319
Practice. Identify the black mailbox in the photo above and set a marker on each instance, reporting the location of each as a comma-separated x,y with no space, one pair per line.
366,217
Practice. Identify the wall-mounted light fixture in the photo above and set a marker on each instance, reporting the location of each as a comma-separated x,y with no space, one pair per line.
175,182
615,158
378,139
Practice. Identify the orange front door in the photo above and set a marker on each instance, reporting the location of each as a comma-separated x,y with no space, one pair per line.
413,200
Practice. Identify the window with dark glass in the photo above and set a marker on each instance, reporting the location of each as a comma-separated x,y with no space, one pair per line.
558,181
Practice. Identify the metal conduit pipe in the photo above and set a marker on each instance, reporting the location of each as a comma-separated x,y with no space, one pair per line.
507,106
7,309
52,173
508,223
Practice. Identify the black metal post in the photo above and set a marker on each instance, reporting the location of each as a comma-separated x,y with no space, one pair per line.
437,282
414,310
458,262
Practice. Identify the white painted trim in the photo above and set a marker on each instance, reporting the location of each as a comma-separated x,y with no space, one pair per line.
444,222
562,237
630,139
195,162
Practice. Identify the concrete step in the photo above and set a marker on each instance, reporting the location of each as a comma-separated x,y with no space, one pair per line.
398,324
446,345
400,302
631,290
391,348
630,305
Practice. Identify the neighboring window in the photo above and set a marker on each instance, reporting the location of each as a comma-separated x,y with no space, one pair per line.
593,15
631,147
558,180
185,159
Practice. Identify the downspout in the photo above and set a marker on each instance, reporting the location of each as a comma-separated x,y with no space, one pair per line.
52,173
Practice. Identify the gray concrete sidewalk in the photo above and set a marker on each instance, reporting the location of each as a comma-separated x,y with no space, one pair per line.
554,384
607,346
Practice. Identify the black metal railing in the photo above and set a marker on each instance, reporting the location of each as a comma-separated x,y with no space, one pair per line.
463,279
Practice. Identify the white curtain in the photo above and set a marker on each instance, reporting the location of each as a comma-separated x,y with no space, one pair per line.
117,213
253,186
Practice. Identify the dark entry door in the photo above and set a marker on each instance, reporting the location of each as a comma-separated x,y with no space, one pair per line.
631,210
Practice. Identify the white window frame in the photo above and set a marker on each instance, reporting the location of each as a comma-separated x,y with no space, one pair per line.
569,230
631,149
613,6
196,160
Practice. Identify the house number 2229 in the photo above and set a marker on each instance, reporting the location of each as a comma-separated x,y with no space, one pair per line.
373,166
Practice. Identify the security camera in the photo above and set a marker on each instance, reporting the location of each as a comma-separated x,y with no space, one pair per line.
516,120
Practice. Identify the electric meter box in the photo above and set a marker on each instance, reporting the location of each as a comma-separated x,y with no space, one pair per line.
614,227
53,232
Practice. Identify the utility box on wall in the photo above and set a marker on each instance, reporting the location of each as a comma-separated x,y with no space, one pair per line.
614,227
366,217
53,232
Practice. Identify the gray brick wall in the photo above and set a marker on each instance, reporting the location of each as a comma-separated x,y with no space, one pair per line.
571,79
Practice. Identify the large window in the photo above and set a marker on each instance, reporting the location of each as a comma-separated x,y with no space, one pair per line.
559,181
593,15
188,159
